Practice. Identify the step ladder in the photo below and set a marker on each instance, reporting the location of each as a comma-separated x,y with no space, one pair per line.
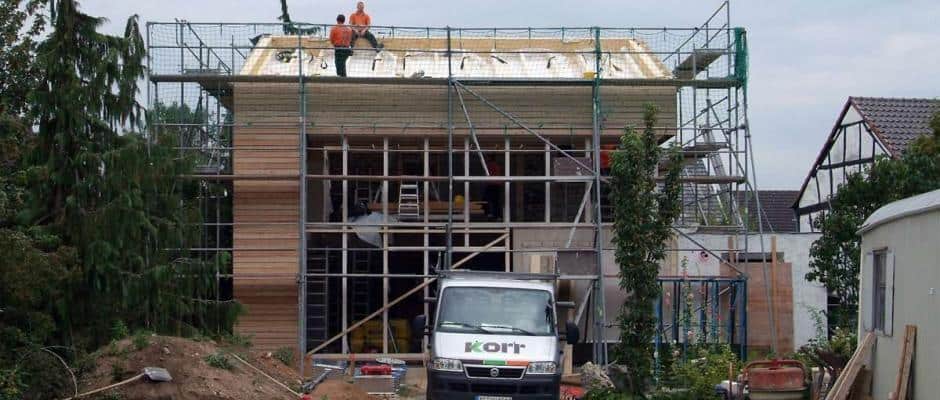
409,202
317,298
361,287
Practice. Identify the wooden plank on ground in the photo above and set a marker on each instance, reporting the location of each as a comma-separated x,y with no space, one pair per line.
904,364
843,385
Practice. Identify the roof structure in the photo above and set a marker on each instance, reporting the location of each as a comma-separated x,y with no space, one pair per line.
776,210
486,58
915,205
896,121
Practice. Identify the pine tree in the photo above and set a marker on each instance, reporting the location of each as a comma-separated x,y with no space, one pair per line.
121,204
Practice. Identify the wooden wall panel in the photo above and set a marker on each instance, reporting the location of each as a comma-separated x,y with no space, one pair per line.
426,105
758,320
266,213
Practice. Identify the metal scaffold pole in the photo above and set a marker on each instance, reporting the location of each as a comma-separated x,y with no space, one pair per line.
600,322
302,239
448,256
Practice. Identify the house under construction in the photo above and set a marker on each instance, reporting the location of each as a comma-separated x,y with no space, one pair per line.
485,149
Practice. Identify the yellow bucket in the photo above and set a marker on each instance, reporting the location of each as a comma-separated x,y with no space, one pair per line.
589,74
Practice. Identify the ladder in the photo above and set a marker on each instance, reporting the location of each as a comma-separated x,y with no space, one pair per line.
409,201
361,287
317,298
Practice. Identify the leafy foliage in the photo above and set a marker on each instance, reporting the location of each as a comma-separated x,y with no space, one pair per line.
835,255
643,216
706,367
21,23
219,360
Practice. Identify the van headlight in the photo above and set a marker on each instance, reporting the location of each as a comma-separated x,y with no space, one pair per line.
447,364
542,368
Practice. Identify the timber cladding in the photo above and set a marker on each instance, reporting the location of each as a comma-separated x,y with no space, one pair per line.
415,106
266,212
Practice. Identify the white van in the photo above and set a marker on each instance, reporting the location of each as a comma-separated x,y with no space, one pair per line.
494,337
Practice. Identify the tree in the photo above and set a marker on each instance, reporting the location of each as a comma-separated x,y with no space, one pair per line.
289,27
643,217
835,255
21,22
108,194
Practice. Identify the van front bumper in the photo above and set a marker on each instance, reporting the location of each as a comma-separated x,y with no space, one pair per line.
457,386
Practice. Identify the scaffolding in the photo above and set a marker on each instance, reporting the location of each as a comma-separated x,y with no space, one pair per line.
338,199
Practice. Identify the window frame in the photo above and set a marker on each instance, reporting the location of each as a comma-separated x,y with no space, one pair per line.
879,290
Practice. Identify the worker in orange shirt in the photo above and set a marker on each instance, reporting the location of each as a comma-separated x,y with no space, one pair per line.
361,22
341,38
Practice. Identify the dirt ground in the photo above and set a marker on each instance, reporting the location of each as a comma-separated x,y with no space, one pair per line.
194,378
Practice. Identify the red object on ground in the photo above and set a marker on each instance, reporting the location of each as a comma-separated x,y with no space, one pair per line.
381,369
569,392
775,375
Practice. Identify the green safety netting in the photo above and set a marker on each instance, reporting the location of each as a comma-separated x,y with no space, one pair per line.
740,55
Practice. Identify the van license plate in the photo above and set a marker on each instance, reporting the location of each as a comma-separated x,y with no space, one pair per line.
494,398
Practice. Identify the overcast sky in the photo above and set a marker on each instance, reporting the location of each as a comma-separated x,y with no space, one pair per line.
807,56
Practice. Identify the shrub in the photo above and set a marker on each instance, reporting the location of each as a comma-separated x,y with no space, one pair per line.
238,340
285,355
219,360
119,330
709,367
140,340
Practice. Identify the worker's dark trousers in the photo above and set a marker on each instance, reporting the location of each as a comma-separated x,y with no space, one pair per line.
340,56
368,35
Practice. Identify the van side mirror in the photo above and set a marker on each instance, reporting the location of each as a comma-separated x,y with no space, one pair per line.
572,332
418,325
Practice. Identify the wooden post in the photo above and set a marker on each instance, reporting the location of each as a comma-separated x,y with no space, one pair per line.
904,363
773,287
844,383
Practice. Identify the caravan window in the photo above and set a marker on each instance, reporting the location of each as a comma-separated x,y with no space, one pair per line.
879,290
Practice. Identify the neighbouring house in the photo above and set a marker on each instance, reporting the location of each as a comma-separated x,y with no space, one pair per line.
867,127
900,277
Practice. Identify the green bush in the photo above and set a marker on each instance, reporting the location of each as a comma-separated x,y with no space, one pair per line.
285,355
219,360
140,340
119,330
706,367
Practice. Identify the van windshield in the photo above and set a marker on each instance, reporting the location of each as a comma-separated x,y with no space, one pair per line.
496,311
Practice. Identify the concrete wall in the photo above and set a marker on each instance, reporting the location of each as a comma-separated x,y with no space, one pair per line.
915,244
